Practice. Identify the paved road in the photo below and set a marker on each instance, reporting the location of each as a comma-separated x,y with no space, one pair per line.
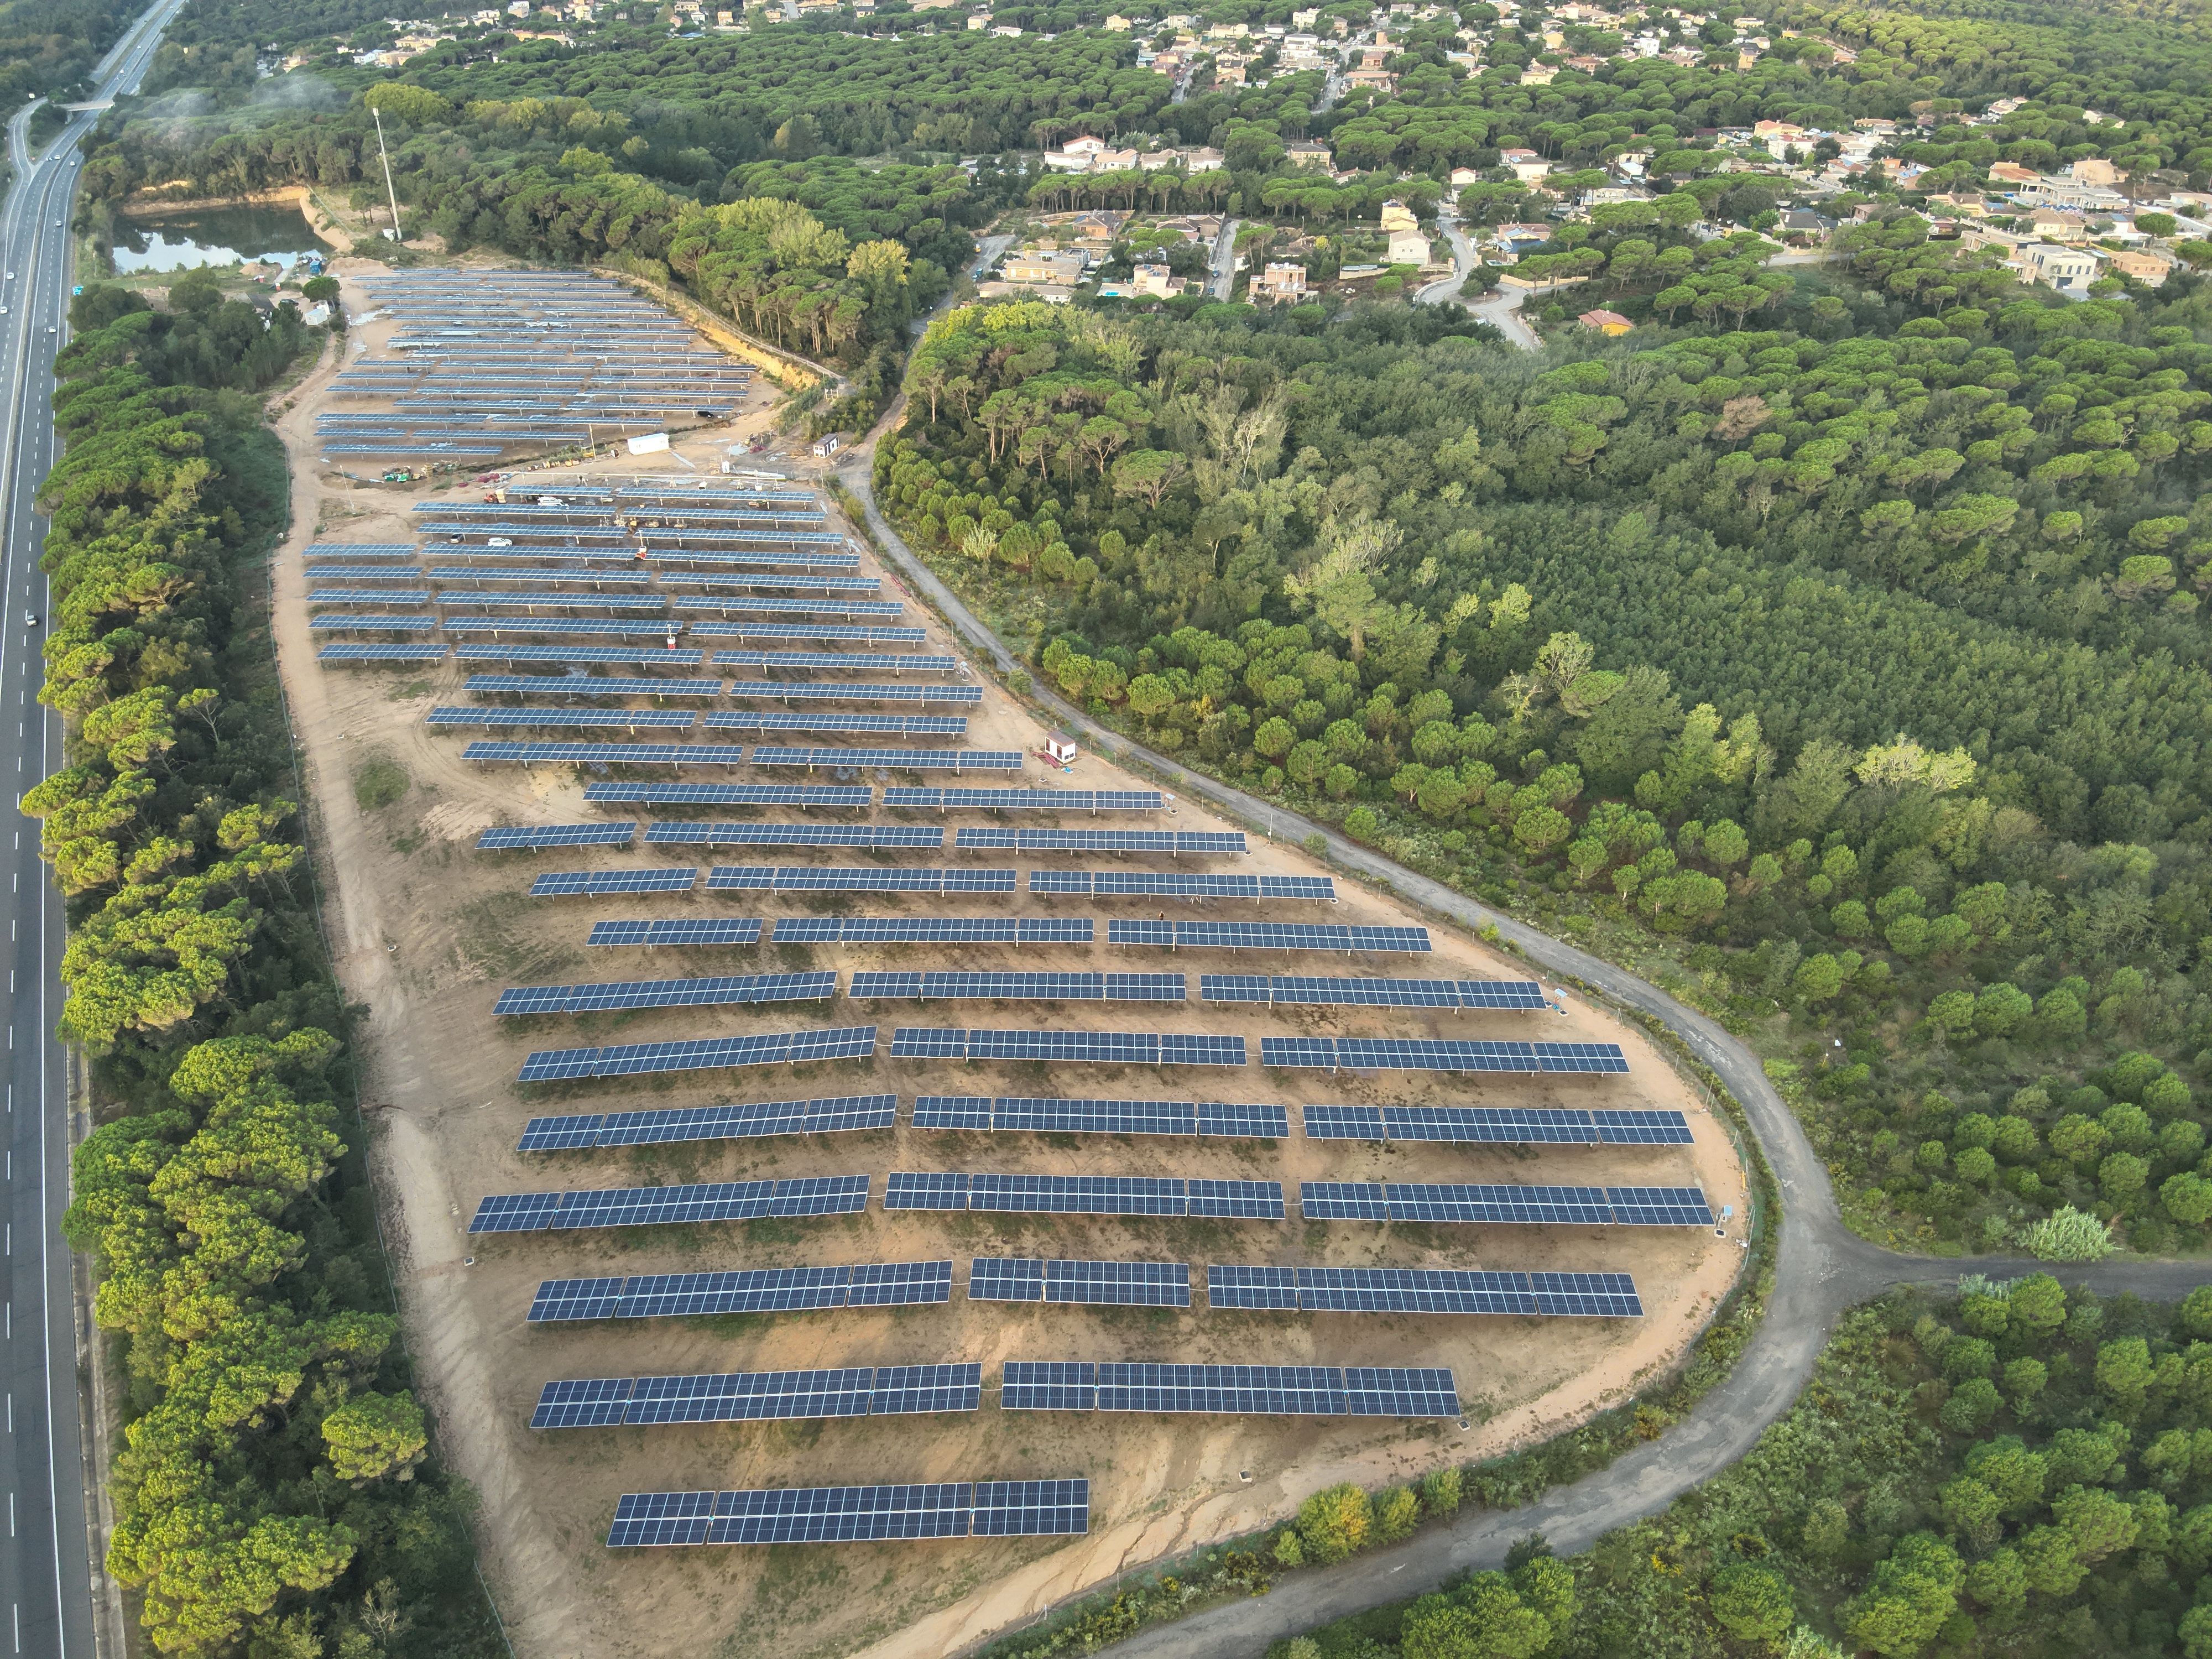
1225,261
1445,289
1821,1267
46,1584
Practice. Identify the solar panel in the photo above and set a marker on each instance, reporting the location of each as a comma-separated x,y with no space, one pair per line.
1032,1509
910,760
898,725
1659,1207
1594,1296
907,1390
1235,1200
749,1396
371,650
884,836
925,1190
1642,1128
1049,1385
1083,1194
952,1112
582,1403
930,930
1026,800
730,794
655,1207
810,1514
622,718
1022,987
1243,1120
1197,843
1271,1289
1431,1054
1066,1048
359,550
1269,936
1400,1391
639,1059
1102,1117
334,621
579,655
849,878
859,635
720,990
586,685
366,595
848,662
1118,1284
693,931
1146,884
1321,991
569,883
1003,1279
1504,1204
1343,1200
1511,1126
534,837
606,754
749,1290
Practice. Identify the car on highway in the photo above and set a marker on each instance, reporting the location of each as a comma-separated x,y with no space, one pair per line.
30,619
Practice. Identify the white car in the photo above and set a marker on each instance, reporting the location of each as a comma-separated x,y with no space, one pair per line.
499,541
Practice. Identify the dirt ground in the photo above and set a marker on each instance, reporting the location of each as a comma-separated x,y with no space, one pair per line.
427,931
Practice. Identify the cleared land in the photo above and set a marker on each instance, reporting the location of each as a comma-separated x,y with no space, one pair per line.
428,931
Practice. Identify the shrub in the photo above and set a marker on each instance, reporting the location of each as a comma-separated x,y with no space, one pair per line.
2068,1235
1334,1523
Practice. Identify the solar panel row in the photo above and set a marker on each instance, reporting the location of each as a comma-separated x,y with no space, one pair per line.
1245,1201
1022,987
748,1290
846,878
606,754
1088,1284
1267,936
1435,1054
908,760
1146,883
720,990
1239,1119
839,796
659,1206
1027,800
1197,843
758,1396
1504,1203
817,1515
1422,1289
932,930
705,1054
689,932
1272,1390
737,1120
883,836
1504,1126
1303,990
535,837
1067,1048
571,884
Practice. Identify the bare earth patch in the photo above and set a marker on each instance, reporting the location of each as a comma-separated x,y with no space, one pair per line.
428,931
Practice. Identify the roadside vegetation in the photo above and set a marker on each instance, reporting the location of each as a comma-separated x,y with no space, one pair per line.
275,1490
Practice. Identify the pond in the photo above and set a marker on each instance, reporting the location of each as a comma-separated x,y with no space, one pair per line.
215,236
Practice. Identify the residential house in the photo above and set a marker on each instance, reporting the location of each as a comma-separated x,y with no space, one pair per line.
1051,293
1527,165
1802,228
2141,264
1305,152
1037,267
2056,225
1611,323
2068,270
1380,79
2065,193
2011,172
1279,284
2094,170
1539,74
1077,154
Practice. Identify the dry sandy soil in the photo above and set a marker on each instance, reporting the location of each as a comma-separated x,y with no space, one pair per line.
428,931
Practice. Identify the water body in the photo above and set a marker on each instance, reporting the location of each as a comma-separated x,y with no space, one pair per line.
216,236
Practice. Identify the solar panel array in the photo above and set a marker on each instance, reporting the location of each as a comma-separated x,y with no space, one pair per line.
703,1053
1422,1291
535,837
881,837
1196,842
820,1514
730,794
848,879
1267,936
687,931
1067,1048
1303,990
1146,883
932,930
1021,987
660,1206
910,760
1504,1203
717,991
1027,800
738,1120
1499,1126
1066,1385
1441,1055
758,1396
746,1290
589,884
1237,1120
1088,1284
1047,1194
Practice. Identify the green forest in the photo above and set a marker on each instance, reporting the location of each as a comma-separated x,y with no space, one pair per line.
274,1489
2014,1470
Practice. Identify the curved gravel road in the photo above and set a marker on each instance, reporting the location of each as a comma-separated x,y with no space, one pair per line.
1821,1267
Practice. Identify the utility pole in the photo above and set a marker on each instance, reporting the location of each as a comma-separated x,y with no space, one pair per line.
396,235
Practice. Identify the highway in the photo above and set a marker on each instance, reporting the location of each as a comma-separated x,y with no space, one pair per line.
46,1584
